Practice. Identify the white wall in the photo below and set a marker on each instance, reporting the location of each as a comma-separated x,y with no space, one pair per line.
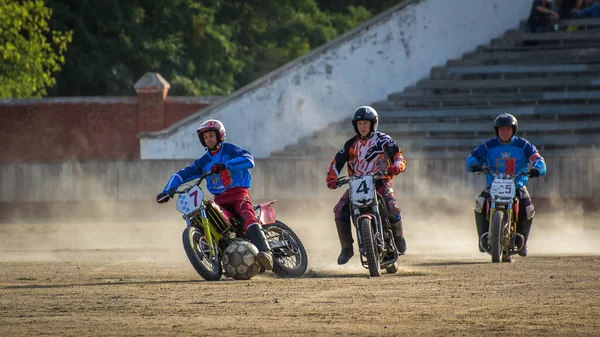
390,52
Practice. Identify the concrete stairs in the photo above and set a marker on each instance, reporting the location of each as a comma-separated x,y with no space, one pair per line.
549,81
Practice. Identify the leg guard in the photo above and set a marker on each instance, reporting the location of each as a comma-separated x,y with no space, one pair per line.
399,236
481,222
526,213
346,241
482,226
523,228
257,237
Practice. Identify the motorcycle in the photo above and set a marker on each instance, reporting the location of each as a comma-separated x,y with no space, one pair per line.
501,239
373,229
210,229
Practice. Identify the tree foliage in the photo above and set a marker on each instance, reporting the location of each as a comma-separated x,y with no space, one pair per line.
202,47
29,51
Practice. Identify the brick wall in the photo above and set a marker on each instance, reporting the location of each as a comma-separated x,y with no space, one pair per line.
81,129
88,128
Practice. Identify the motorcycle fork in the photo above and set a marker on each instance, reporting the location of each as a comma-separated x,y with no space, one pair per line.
493,210
378,230
378,234
509,239
490,217
513,230
208,234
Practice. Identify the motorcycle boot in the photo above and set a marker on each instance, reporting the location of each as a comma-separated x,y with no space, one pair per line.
257,237
523,228
482,227
399,236
346,241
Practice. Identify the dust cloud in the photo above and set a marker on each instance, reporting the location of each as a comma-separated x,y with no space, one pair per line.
435,227
443,228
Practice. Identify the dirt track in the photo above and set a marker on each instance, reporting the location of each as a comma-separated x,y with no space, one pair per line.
54,281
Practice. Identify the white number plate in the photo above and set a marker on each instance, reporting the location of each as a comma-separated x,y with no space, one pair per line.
187,203
362,191
503,189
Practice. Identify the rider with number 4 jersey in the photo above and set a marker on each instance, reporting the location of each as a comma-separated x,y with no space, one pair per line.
369,151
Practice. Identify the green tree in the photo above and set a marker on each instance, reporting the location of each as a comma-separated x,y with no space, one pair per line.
272,33
29,51
116,42
202,47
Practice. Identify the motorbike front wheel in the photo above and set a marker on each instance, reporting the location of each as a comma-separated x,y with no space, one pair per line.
198,251
368,241
496,235
289,255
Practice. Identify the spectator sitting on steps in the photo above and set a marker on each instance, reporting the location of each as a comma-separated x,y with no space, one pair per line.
591,10
567,8
539,17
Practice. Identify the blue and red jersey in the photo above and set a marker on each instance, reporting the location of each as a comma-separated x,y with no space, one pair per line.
513,157
236,160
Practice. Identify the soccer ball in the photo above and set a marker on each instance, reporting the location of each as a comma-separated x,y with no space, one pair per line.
239,260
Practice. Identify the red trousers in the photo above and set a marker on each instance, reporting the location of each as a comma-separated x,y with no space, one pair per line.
237,201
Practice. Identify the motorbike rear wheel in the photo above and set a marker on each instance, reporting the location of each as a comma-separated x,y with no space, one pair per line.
368,241
198,252
496,235
289,256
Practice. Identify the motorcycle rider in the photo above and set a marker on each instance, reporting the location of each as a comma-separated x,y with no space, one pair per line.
369,151
506,153
229,182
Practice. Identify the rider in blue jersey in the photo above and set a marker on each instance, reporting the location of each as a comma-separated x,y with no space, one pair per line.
229,183
506,153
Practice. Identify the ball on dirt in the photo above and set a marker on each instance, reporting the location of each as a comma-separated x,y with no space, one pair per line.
239,260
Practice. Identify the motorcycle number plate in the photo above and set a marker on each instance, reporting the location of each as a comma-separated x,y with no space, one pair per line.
191,201
503,189
362,191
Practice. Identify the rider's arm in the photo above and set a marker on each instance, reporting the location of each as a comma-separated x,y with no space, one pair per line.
535,158
240,159
193,171
395,154
340,159
477,156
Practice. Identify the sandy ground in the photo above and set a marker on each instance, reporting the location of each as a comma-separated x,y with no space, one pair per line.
133,279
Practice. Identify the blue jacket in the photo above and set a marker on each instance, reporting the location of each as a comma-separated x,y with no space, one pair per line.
237,160
511,158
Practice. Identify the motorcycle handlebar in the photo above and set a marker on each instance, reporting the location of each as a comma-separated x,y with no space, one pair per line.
486,170
189,187
344,180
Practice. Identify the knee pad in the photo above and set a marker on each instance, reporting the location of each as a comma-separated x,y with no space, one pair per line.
479,203
393,210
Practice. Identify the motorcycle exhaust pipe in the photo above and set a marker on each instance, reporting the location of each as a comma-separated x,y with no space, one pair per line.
483,241
522,242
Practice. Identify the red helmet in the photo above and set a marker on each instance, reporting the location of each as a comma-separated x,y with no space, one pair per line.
212,125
